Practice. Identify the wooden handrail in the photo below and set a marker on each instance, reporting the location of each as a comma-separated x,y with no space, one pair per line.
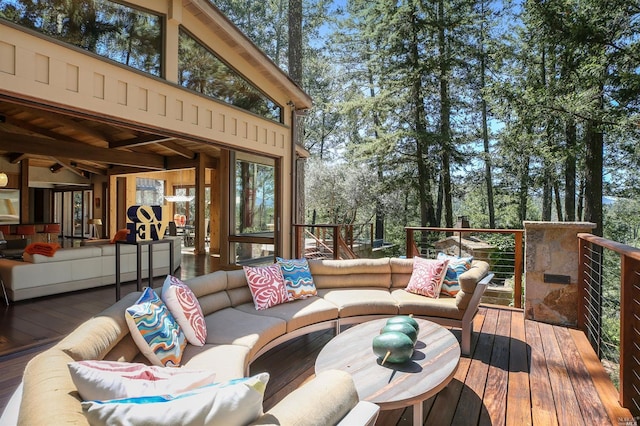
629,298
623,249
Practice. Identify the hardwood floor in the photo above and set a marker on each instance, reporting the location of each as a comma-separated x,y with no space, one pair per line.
520,372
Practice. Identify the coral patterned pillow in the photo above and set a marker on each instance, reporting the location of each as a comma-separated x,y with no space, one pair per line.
185,308
427,276
267,285
155,331
297,278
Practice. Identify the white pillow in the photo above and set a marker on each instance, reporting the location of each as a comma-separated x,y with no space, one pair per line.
185,308
114,380
237,402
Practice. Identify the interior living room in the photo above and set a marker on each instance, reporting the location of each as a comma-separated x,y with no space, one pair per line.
88,131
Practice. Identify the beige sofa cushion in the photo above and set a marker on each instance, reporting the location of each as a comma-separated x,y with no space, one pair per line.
94,338
299,313
401,270
351,273
210,291
227,361
238,288
410,303
361,301
231,326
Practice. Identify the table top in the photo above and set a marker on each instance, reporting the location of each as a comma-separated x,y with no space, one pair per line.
435,360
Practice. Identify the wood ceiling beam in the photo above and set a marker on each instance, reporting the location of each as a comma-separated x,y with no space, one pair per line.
79,151
90,169
70,167
124,170
17,157
178,149
63,121
25,125
140,140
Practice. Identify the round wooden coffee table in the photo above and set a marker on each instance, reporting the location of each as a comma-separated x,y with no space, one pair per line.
434,362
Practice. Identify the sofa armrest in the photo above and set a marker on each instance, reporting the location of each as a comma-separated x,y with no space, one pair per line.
470,313
325,400
365,413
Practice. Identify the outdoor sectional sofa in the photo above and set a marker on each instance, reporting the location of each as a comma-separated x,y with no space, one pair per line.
349,292
78,268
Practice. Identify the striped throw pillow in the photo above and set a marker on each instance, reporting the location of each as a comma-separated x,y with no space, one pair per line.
457,266
297,278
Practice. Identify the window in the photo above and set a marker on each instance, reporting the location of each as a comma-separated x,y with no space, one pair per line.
202,71
149,192
255,198
126,35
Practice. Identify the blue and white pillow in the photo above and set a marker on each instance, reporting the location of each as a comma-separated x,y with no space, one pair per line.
155,331
297,278
457,266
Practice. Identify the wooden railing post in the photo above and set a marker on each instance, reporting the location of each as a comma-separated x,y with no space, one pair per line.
517,266
299,240
336,241
409,243
630,280
371,235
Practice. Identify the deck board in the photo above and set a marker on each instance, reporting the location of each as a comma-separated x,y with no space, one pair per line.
567,407
520,372
543,410
519,393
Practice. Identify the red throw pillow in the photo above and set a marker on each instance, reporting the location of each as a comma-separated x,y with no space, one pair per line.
267,285
45,249
121,235
427,276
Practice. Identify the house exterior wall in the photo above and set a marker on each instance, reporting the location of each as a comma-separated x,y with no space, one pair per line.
56,76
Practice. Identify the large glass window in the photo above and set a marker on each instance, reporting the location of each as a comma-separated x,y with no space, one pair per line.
149,192
255,198
118,32
202,71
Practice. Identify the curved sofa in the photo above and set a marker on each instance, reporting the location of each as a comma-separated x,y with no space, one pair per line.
349,291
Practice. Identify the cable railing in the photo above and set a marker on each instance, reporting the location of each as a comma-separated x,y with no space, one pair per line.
501,248
609,310
323,242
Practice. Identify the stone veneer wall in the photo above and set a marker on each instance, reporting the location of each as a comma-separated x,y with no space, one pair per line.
551,248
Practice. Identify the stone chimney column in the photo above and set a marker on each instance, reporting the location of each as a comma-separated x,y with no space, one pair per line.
551,271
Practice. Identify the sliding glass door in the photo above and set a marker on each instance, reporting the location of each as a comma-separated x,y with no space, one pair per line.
73,209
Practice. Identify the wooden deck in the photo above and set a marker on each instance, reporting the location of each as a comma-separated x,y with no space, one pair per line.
520,372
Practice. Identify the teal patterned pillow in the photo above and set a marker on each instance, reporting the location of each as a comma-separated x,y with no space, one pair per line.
457,265
155,331
297,278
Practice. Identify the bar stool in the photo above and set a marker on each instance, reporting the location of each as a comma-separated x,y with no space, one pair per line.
51,228
5,229
26,231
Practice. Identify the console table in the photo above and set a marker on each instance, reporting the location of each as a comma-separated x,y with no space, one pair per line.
139,245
